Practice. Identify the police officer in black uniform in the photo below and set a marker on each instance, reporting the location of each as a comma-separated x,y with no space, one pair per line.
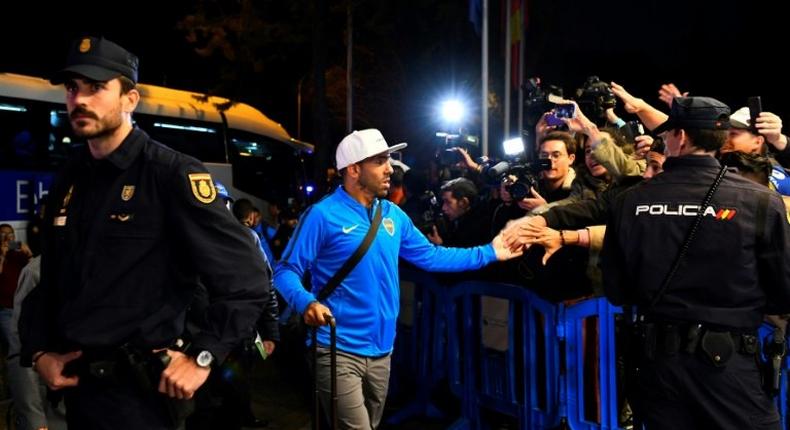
696,329
130,227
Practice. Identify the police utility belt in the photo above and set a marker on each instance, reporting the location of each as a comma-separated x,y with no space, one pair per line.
716,345
125,364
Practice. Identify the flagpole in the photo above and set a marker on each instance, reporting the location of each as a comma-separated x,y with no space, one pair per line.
508,59
484,80
349,68
521,60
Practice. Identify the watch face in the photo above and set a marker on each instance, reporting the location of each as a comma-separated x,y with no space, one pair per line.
204,359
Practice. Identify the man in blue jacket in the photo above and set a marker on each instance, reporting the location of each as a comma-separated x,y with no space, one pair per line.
366,302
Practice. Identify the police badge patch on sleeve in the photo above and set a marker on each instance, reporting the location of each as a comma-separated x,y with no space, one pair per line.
202,187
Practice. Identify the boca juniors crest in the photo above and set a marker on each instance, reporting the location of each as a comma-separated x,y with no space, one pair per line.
388,225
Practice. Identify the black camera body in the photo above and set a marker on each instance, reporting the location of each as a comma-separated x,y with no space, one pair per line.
526,175
631,130
447,155
536,99
430,212
594,98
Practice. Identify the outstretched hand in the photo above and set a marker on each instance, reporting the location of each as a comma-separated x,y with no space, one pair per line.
503,252
547,237
668,92
630,103
514,233
530,203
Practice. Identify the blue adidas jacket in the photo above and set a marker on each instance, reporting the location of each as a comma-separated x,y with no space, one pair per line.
366,303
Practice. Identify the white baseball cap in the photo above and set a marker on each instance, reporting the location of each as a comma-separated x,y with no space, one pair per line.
362,144
741,118
401,164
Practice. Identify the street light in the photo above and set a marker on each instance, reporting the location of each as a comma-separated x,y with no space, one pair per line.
453,111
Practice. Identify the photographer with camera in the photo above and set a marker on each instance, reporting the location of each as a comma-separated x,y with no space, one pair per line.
13,258
467,218
555,182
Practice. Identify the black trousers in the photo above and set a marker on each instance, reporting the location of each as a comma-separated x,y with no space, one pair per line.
683,391
96,404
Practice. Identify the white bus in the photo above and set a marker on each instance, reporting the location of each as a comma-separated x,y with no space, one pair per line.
251,154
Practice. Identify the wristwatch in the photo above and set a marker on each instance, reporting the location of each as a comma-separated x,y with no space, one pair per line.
204,359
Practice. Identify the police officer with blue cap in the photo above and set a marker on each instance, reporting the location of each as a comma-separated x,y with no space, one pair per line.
131,227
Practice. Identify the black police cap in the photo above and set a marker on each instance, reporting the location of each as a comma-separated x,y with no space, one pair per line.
98,59
701,113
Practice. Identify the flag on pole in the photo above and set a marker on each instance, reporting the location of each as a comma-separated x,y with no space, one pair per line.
516,34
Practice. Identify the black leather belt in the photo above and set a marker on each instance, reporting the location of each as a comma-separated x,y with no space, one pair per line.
667,338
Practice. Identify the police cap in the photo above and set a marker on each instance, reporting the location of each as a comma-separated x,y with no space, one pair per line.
701,113
98,59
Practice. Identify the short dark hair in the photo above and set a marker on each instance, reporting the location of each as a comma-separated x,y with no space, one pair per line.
565,137
709,140
460,188
126,84
6,225
397,176
242,208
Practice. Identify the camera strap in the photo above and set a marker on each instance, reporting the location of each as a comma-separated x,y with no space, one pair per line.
689,238
349,265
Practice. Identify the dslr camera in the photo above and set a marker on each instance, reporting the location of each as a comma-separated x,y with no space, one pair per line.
526,176
430,212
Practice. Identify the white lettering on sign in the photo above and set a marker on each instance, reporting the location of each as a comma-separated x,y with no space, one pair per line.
23,195
41,193
20,197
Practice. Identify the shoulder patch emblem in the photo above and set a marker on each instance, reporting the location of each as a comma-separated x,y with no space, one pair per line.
389,225
202,187
127,192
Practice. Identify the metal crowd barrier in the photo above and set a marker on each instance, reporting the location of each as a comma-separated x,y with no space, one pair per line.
503,349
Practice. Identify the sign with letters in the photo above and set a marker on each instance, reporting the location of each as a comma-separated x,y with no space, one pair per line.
21,193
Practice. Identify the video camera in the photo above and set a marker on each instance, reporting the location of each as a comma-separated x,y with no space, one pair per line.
536,99
594,98
446,155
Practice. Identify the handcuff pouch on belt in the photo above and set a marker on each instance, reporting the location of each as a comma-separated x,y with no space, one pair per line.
717,347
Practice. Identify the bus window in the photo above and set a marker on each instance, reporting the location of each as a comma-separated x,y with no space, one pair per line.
201,140
33,135
264,167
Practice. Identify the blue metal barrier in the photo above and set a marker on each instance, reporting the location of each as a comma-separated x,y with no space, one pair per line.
572,318
425,358
504,381
538,377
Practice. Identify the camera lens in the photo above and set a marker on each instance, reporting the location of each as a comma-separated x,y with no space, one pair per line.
518,190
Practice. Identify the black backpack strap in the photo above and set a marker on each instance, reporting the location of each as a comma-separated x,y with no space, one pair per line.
349,265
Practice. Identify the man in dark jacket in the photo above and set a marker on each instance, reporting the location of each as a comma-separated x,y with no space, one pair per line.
131,226
697,366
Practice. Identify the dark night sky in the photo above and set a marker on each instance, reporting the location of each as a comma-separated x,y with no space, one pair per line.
726,49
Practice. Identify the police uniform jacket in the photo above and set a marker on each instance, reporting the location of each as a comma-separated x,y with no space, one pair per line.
126,240
736,269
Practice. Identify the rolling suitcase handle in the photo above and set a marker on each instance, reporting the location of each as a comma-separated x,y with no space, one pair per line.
333,374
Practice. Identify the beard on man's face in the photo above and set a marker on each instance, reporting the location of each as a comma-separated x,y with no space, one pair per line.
81,118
